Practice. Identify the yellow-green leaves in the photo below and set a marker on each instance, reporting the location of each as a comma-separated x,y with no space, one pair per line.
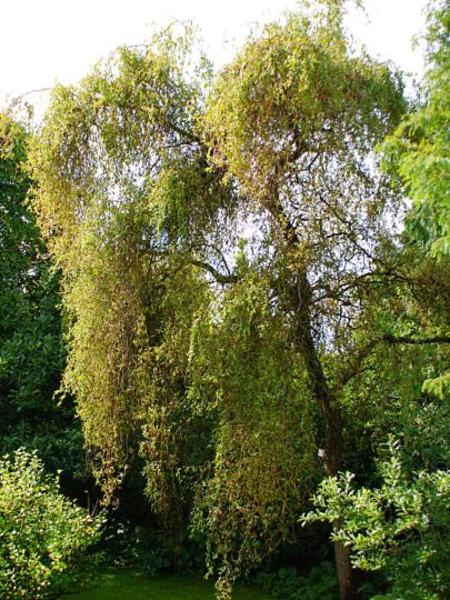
292,93
116,162
44,536
242,363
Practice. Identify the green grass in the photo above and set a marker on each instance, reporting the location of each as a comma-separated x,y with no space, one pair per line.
117,584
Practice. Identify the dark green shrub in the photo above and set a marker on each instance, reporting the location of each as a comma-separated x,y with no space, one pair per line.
290,584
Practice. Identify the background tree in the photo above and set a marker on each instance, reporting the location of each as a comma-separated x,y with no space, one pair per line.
32,352
397,522
419,151
418,154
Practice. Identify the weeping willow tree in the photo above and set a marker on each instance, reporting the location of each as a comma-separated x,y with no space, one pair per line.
294,121
219,237
118,163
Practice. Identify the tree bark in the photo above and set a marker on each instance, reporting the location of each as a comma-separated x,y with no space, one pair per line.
345,572
325,398
300,300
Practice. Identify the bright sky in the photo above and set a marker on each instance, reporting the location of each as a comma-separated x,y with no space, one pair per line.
44,41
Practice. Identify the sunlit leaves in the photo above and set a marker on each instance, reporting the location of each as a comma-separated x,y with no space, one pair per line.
398,526
44,536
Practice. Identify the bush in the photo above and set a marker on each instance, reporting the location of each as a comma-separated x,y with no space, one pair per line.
43,535
400,528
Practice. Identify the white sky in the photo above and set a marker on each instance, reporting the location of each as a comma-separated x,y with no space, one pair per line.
44,41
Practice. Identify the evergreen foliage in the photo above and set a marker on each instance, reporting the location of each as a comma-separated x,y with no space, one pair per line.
32,353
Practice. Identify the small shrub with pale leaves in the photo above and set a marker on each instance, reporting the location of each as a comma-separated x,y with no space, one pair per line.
400,528
43,535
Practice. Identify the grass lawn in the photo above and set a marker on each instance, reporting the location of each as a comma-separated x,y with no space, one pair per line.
118,584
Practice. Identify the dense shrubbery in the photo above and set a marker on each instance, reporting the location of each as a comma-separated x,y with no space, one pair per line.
32,351
43,536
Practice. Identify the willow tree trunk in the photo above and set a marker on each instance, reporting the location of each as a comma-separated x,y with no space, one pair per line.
325,398
333,463
346,575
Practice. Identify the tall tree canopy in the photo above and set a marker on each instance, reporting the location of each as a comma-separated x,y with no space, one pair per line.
231,269
419,155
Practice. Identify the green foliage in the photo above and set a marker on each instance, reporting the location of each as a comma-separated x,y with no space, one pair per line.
419,155
402,526
31,351
289,584
144,549
387,396
44,537
293,122
149,549
244,371
232,278
419,151
119,152
295,91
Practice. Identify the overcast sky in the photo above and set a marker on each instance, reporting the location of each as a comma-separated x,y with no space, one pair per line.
44,41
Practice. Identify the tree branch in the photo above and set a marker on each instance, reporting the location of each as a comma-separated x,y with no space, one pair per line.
219,277
17,99
439,339
354,366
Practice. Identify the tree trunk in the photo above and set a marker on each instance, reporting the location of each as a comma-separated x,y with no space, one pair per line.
324,396
333,463
300,300
345,572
